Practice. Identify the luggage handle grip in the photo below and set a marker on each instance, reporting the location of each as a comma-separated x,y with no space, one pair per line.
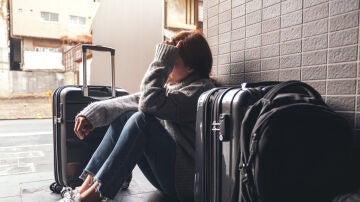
84,48
292,83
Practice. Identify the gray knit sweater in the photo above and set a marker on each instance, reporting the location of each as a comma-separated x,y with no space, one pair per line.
174,104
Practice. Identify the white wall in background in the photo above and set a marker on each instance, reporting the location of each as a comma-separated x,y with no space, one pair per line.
133,28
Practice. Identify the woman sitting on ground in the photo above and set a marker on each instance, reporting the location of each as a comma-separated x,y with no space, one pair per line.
154,129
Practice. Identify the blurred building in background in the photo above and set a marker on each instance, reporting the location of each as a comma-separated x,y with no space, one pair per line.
38,33
4,41
182,15
41,29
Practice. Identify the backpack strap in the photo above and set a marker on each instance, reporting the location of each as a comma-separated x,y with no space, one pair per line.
243,153
292,84
240,154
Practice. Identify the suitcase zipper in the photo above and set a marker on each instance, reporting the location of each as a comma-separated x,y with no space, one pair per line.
59,118
222,127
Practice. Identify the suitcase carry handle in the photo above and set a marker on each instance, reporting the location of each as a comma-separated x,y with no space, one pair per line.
84,48
292,83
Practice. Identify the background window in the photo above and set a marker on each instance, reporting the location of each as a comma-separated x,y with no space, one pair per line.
77,20
51,17
46,49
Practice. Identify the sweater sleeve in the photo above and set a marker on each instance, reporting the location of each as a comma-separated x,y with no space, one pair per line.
103,112
152,87
160,68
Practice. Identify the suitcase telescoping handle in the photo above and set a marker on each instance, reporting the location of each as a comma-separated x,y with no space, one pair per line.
84,48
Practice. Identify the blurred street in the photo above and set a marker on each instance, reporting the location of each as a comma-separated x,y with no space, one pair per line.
24,132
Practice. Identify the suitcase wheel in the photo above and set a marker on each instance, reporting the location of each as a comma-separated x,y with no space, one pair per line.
56,188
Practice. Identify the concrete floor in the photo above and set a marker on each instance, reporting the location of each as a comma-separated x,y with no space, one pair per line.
26,166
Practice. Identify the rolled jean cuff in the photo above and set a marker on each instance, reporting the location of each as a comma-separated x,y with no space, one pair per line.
84,174
98,189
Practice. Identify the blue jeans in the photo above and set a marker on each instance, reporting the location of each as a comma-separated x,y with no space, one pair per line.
134,138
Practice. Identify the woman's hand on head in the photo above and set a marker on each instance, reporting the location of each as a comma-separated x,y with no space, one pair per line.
82,127
168,42
179,43
172,43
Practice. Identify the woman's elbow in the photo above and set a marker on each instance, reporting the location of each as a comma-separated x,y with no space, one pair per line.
146,108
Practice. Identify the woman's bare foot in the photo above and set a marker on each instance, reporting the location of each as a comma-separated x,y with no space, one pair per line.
90,194
86,184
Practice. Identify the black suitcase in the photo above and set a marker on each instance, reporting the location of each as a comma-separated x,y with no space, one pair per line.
70,153
219,116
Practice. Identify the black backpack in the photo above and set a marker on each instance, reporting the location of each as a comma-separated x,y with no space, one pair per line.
294,148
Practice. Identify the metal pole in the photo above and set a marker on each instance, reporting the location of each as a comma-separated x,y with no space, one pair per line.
113,93
85,87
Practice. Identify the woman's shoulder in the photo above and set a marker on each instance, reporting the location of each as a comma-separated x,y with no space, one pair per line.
205,82
198,86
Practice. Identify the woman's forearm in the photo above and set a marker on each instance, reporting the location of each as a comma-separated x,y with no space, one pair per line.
104,112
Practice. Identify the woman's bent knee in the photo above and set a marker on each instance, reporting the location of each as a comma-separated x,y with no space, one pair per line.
122,119
143,120
140,117
117,125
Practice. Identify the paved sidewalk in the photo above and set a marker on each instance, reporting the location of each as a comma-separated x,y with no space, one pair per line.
25,107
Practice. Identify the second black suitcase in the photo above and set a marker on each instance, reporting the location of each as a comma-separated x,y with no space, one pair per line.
70,153
219,116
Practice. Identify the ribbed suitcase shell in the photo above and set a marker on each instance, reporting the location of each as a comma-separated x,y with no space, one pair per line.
70,153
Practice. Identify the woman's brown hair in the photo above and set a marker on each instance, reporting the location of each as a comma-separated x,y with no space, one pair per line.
195,51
